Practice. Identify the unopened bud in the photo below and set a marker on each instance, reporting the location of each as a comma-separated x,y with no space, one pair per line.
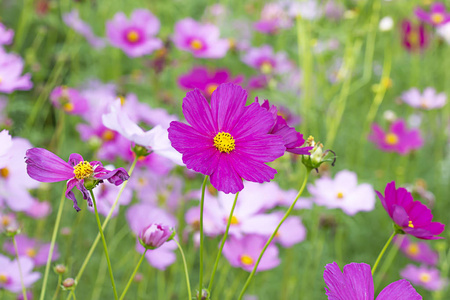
154,235
60,269
68,283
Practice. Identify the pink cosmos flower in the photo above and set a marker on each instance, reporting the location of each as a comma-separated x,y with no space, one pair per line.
243,253
428,100
155,235
417,251
5,147
437,15
258,82
44,166
6,35
31,248
227,140
10,275
206,81
202,40
414,36
411,217
69,100
427,277
39,210
135,36
73,20
266,61
343,192
273,18
398,138
291,232
308,10
8,221
357,283
11,67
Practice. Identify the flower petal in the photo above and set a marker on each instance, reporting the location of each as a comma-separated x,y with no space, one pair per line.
197,112
227,105
399,290
44,166
225,178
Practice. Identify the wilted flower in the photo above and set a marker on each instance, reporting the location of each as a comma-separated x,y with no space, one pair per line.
10,277
427,277
437,16
155,235
417,251
69,100
317,155
429,99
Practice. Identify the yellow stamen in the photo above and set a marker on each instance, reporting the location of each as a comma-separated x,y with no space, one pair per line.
340,195
224,142
30,252
413,249
122,100
196,44
391,139
4,172
310,141
1,79
414,39
83,170
108,135
133,36
234,220
423,103
68,107
3,278
246,260
5,220
437,18
210,88
266,67
425,277
410,224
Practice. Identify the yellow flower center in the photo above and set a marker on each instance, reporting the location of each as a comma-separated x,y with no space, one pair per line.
391,139
30,252
196,44
68,107
413,38
437,18
413,249
224,142
234,220
3,278
4,172
266,67
122,100
1,79
108,135
425,277
5,220
410,224
246,260
340,195
83,170
133,36
210,88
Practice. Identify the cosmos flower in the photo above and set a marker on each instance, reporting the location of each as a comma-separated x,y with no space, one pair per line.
206,81
417,251
155,235
429,99
73,20
308,10
6,35
136,37
31,248
357,283
11,67
291,231
44,166
424,276
273,18
414,36
398,138
437,16
266,61
69,100
411,217
227,140
5,146
39,209
202,40
10,274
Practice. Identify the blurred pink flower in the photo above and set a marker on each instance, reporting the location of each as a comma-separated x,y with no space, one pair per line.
69,100
39,210
426,277
429,99
266,61
73,20
414,36
6,35
273,18
31,248
417,251
10,275
291,231
11,68
437,16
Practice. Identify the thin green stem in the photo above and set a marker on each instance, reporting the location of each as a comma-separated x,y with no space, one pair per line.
52,243
24,290
72,294
58,287
223,242
132,275
302,188
105,248
188,282
386,264
375,265
202,204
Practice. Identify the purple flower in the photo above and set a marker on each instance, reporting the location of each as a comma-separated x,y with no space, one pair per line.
10,274
427,277
31,248
412,217
398,139
70,100
135,36
357,283
428,100
155,235
273,18
202,40
6,35
437,15
417,251
11,67
44,166
207,82
268,62
227,140
414,36
39,210
72,19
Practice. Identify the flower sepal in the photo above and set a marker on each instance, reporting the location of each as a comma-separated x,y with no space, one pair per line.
140,151
317,155
398,229
91,183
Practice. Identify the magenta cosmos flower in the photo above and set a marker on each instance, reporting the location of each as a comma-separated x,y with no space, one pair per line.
437,15
411,217
202,40
429,99
417,251
69,100
414,36
357,283
135,36
398,138
227,140
44,166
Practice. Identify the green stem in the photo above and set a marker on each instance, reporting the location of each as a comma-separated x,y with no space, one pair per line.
52,243
308,171
105,248
202,204
72,294
188,284
24,290
386,264
58,287
132,275
223,242
375,265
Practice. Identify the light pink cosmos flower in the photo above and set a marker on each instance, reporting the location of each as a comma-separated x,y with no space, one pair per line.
5,148
31,248
265,60
73,20
10,275
6,35
343,192
39,210
291,232
69,100
273,18
202,40
417,251
11,67
427,277
398,138
8,221
136,37
243,253
308,10
428,100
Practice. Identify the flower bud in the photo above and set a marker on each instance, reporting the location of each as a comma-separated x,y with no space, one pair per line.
68,283
204,295
154,235
60,269
317,156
